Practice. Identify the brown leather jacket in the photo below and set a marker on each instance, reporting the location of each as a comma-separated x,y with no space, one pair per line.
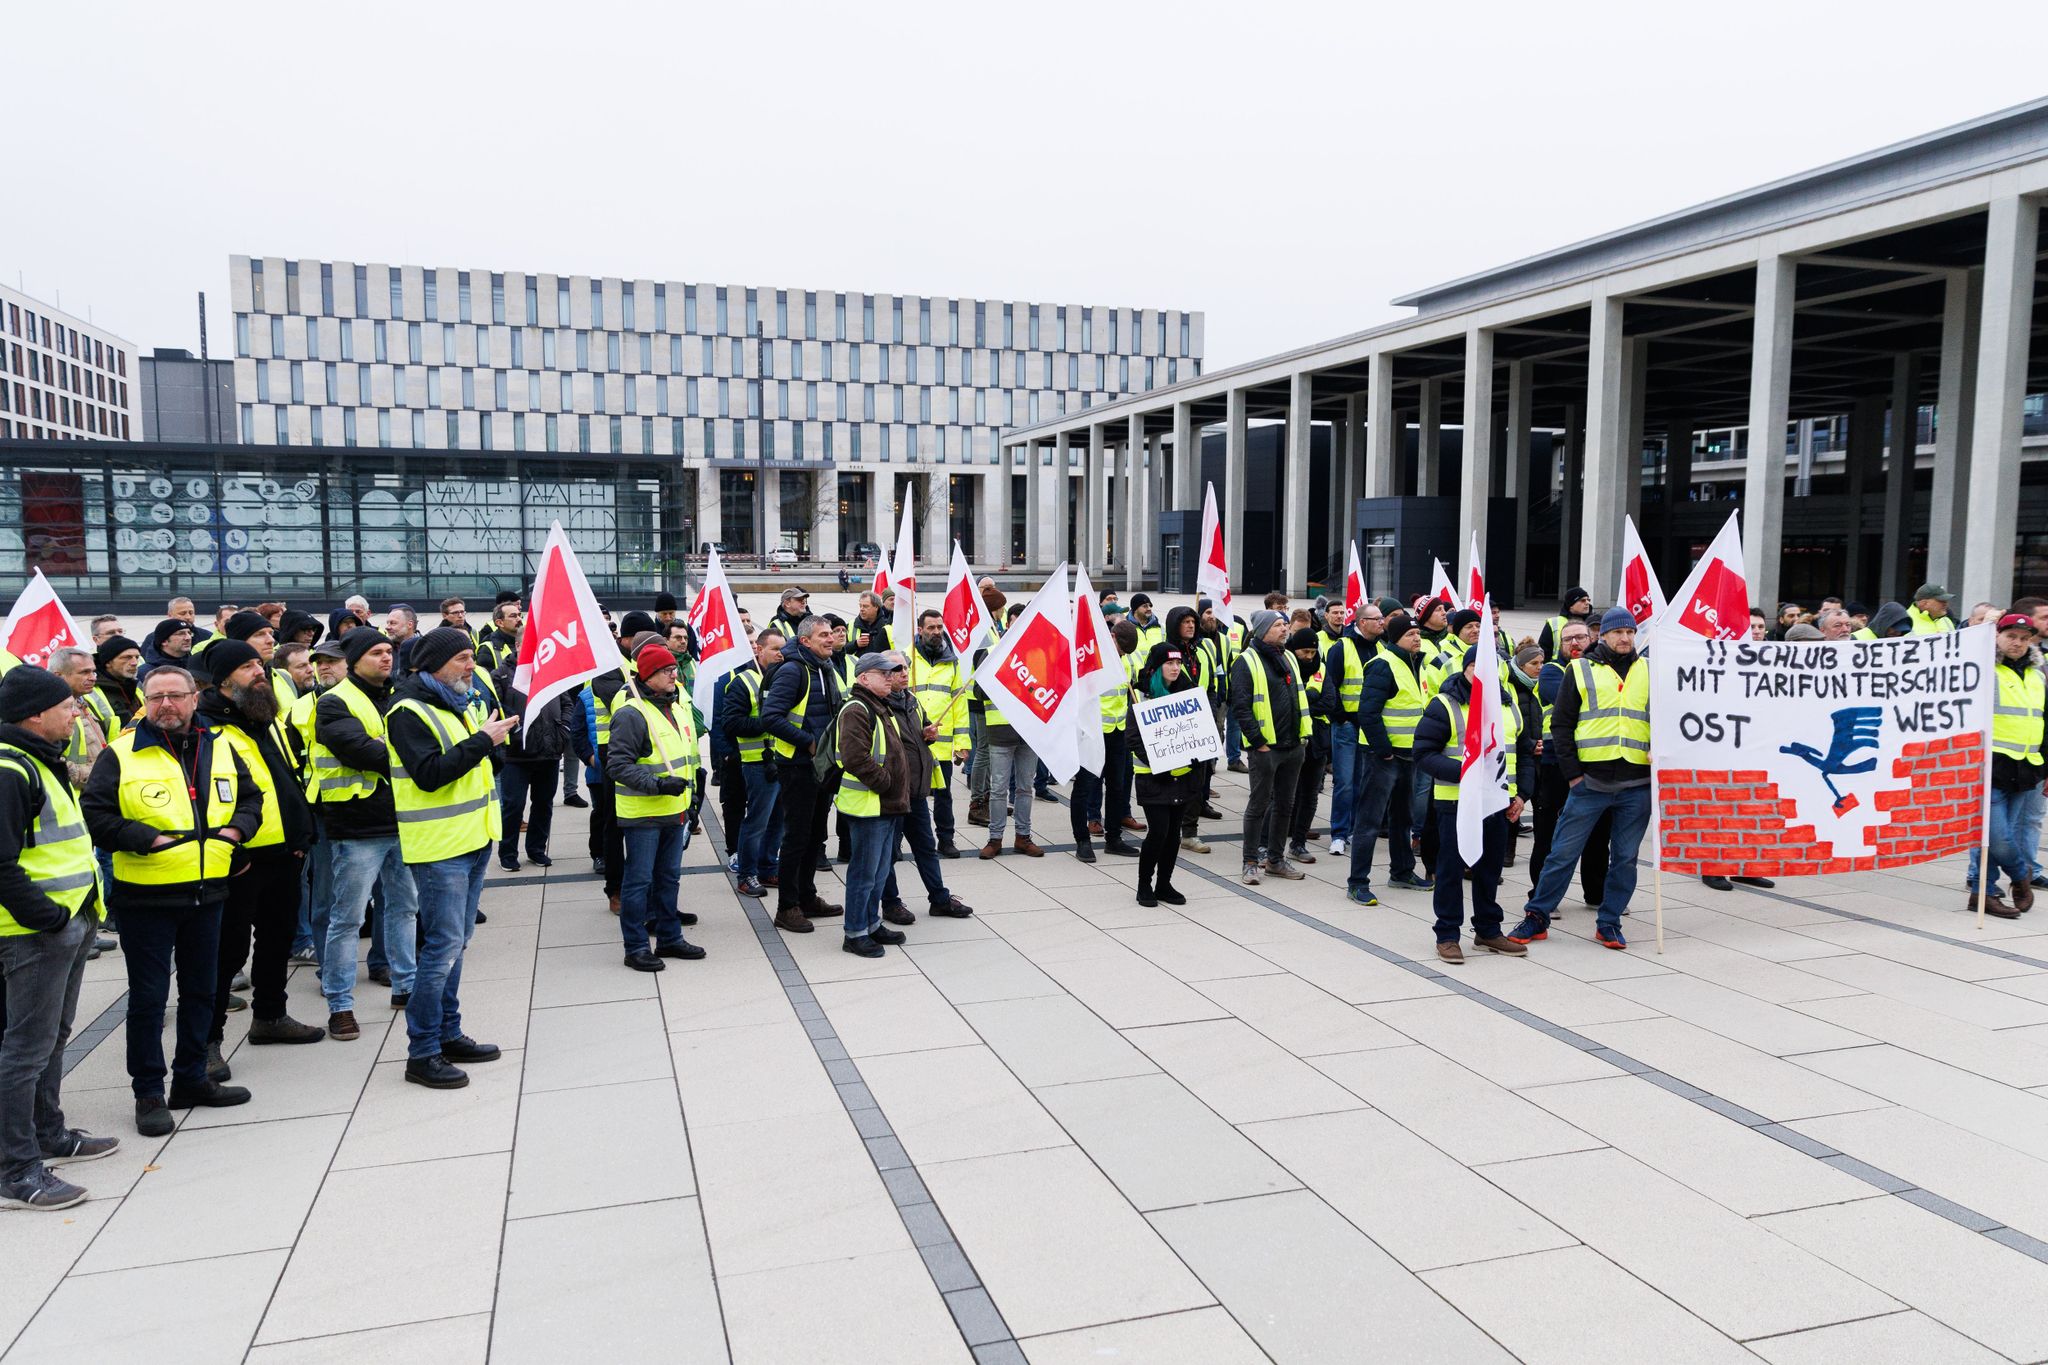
891,776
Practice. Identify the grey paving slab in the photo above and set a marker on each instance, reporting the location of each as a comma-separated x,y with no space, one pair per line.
1461,1113
1894,1339
855,1312
599,1145
1054,1040
1238,1072
951,1103
1208,1335
1161,1145
462,1340
183,1311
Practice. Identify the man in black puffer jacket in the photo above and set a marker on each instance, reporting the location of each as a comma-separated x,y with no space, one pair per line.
533,765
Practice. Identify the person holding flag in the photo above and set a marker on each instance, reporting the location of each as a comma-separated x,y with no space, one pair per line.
939,682
1270,703
796,711
652,762
1343,670
1031,707
1099,673
1475,754
1600,733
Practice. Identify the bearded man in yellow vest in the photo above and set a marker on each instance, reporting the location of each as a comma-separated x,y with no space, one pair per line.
173,802
652,762
49,898
443,756
1439,754
260,914
1600,731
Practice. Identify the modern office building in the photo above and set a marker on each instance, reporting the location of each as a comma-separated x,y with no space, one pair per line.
1879,317
187,400
61,378
839,406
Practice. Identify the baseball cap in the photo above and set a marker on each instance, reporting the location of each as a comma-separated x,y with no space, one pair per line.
2015,620
1932,590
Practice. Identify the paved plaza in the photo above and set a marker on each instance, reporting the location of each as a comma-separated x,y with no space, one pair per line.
1264,1126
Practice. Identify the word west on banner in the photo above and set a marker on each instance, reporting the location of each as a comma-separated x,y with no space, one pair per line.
1029,677
39,626
1640,591
964,613
715,621
1354,586
1797,759
1212,575
1178,729
566,641
1098,669
1483,767
1440,584
1714,599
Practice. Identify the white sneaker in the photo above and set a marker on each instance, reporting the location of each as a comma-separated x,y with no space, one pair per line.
1336,847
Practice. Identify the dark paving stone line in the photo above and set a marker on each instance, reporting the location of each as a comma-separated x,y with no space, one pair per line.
1827,1156
84,1040
980,1322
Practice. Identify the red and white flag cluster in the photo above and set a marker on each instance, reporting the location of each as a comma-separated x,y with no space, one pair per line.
566,641
39,626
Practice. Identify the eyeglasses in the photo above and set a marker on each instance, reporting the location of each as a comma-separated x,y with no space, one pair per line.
900,668
169,696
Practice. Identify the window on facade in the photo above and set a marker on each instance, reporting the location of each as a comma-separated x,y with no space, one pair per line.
363,385
627,313
611,352
497,298
255,292
298,382
533,391
1186,336
263,381
277,338
753,312
397,282
241,339
462,297
553,432
485,439
430,294
327,291
248,425
382,349
583,433
333,377
518,348
348,426
561,305
312,339
1032,342
532,302
547,349
284,427
469,388
362,295
414,353
348,340
568,394
689,308
661,308
632,395
781,312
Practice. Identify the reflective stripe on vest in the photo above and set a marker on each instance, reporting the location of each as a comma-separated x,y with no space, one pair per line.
1351,683
2016,716
1263,731
782,748
448,821
57,854
941,701
103,712
1618,727
327,777
753,748
75,743
671,752
1510,728
1403,711
155,791
855,796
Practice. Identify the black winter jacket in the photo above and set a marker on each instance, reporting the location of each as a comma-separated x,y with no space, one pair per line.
368,817
20,804
1433,732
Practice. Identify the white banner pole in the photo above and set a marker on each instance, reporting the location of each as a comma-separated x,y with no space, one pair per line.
1984,872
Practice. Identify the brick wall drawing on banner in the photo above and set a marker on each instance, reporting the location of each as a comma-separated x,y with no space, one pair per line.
1734,823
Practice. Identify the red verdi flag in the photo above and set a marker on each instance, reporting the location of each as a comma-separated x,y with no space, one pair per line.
1212,575
566,641
1440,585
715,620
965,614
1715,599
1029,677
1640,591
38,626
1098,669
1354,587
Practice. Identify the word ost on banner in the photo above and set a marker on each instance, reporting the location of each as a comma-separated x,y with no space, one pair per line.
1819,757
1179,729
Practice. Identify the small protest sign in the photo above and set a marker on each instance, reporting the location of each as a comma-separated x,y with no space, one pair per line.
1178,729
1803,758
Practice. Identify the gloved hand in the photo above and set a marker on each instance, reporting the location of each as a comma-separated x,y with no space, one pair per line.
671,786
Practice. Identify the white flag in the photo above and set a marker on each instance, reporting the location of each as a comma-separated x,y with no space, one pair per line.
1440,585
965,614
1098,669
1029,677
903,578
1483,775
1475,577
1212,574
721,643
39,626
1640,591
1354,587
566,641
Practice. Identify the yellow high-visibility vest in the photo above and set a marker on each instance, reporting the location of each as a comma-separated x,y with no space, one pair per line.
156,792
1614,713
58,853
328,779
2016,716
671,752
448,821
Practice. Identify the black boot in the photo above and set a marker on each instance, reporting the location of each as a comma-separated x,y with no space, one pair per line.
435,1073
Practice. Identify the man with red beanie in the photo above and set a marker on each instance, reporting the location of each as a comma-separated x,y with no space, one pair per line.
651,759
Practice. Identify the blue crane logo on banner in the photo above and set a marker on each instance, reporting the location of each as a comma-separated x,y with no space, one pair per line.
1856,728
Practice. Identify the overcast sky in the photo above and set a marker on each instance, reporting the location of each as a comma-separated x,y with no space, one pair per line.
1286,169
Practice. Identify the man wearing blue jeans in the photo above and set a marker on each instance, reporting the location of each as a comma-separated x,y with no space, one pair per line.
442,763
351,789
2017,743
915,824
757,843
1600,730
1389,707
1344,664
877,752
652,760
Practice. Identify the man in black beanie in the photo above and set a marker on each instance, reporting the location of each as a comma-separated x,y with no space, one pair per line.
169,643
665,610
117,659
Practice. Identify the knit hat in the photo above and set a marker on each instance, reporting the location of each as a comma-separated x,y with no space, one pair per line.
1464,617
652,660
1304,639
1399,623
1617,618
243,624
505,595
633,622
357,643
1262,621
665,601
29,691
637,642
1802,631
223,657
1573,596
1388,605
166,628
112,648
434,649
1140,599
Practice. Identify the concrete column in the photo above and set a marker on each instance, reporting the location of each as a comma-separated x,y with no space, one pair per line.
1475,480
1569,515
1331,495
1635,403
882,510
1865,454
2009,251
710,510
825,526
1901,458
1604,463
771,512
1129,547
1428,442
1230,497
1954,448
1187,460
1352,486
1095,490
1295,501
1057,490
1155,498
938,519
1770,396
992,541
1382,433
1521,406
1033,514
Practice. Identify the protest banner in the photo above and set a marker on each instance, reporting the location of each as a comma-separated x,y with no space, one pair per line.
1811,758
1178,729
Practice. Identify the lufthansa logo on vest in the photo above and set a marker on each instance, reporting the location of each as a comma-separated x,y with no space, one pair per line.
154,795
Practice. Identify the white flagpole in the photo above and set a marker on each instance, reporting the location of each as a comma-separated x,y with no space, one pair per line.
1984,842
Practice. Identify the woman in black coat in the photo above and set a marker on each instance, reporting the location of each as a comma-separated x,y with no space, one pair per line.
1164,796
